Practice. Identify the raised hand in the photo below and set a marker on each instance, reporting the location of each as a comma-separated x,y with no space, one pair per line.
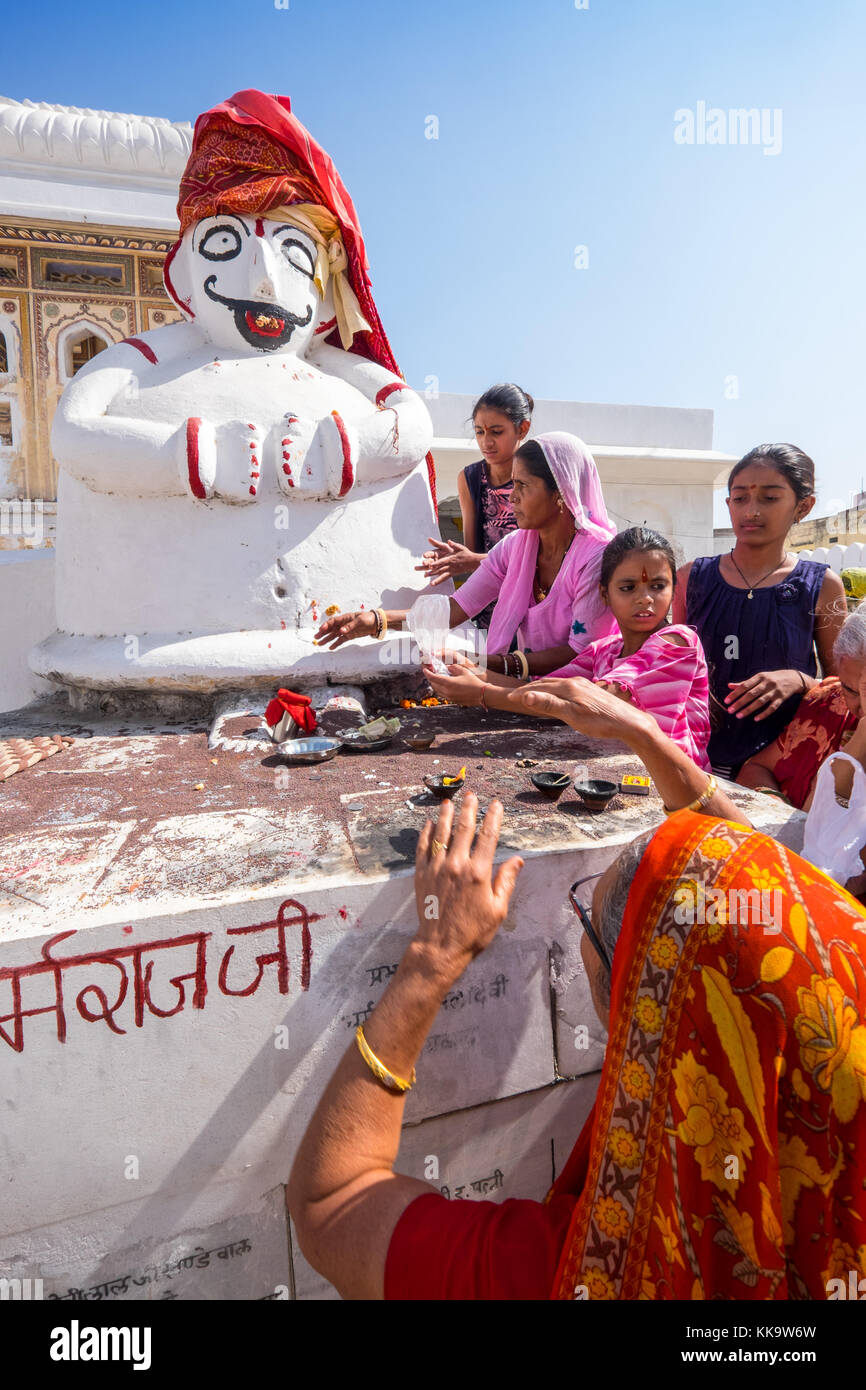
447,560
460,906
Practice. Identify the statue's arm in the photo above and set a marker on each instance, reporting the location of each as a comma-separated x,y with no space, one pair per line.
113,453
398,431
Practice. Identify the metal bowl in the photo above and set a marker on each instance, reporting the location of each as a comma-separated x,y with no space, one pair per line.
309,750
356,743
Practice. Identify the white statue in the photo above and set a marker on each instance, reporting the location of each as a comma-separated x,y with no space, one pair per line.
224,480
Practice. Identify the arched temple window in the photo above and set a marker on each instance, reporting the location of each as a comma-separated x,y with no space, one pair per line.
77,346
82,351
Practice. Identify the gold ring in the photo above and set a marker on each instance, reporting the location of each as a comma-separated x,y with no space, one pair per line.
436,846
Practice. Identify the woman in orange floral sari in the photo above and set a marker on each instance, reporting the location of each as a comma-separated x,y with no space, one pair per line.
726,1153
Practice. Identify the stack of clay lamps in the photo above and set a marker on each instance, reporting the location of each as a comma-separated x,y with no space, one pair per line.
18,753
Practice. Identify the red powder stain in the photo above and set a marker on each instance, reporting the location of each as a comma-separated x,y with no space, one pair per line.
250,427
343,913
283,624
127,930
252,491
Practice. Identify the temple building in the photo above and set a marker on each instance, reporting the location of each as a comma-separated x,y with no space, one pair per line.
86,218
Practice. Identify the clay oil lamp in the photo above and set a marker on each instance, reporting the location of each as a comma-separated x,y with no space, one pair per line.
444,787
550,784
595,794
418,739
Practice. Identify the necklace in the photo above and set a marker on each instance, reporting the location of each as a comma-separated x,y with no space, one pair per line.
758,581
537,584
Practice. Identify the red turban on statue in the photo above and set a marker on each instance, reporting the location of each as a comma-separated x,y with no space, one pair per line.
250,154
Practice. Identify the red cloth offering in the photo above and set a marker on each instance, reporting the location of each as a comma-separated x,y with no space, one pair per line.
298,706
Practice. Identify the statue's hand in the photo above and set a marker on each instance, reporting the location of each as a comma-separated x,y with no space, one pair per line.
223,462
316,459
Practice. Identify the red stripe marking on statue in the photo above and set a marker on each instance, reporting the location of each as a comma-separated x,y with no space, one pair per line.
166,275
386,391
326,327
143,348
348,473
196,485
260,227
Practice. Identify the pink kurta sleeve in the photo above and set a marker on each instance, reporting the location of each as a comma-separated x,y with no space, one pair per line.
483,586
658,677
582,665
669,681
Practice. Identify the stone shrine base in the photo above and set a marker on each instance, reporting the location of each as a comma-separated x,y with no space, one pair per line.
188,938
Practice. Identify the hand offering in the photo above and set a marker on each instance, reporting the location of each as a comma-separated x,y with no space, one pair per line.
345,627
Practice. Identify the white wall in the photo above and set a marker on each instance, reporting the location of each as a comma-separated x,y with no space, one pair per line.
26,617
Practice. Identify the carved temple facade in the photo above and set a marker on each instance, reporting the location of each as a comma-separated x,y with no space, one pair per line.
86,219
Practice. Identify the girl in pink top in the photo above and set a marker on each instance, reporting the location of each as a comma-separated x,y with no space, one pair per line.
544,577
658,667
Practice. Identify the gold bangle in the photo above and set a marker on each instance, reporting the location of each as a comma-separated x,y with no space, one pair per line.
524,664
381,1073
705,797
384,620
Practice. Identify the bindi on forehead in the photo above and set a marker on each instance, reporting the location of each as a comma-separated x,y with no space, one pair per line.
260,227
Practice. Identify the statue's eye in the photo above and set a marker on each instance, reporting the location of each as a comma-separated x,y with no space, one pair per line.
220,243
297,255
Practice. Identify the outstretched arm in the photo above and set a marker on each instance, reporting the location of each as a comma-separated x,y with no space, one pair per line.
591,710
344,1195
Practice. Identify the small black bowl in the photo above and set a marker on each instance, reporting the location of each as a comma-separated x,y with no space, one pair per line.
550,784
595,794
436,785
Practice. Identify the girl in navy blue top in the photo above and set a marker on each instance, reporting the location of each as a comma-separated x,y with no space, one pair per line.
759,610
501,418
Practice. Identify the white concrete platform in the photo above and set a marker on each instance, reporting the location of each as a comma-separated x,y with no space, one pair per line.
187,942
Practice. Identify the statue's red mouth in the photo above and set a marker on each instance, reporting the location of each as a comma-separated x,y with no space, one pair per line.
268,325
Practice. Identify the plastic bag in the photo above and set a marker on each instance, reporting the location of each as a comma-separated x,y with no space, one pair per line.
835,834
429,622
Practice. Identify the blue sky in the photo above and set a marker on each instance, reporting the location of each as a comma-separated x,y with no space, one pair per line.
555,130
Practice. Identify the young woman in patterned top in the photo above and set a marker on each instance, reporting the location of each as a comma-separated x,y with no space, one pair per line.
501,418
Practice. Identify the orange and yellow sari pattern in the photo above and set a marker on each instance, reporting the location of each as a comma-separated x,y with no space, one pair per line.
727,1156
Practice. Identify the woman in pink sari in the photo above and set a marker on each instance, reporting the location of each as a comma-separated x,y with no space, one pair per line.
543,577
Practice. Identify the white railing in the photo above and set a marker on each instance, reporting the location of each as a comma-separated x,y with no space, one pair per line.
838,557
